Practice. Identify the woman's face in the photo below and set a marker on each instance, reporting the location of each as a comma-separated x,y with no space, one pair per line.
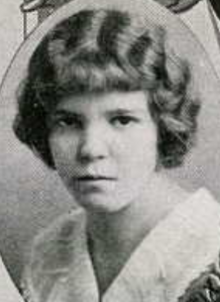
104,148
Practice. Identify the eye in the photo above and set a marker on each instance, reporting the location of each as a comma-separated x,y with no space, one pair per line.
123,120
66,121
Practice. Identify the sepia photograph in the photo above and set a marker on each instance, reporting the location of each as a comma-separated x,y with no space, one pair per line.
110,151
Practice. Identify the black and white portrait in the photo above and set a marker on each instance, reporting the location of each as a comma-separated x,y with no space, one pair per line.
109,158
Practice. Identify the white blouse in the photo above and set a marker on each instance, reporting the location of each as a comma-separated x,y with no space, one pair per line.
177,251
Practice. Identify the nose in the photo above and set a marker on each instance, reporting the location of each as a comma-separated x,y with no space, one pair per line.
93,145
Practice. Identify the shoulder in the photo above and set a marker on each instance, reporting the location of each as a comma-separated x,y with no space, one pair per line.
51,254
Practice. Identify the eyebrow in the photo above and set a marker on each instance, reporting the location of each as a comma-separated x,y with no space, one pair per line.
123,111
109,112
64,112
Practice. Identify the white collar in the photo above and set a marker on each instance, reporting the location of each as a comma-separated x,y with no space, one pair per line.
176,251
173,254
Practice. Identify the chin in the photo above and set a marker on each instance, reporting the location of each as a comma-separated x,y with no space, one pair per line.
104,204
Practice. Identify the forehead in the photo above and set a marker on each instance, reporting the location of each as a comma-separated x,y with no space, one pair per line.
131,101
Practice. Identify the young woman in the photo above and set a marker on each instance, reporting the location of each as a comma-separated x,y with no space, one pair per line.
110,109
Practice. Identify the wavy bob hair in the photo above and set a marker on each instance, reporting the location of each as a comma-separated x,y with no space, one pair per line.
101,51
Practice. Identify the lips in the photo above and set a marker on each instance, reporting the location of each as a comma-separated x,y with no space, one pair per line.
93,183
94,178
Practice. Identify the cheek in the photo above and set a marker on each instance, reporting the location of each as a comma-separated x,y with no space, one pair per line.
63,151
139,153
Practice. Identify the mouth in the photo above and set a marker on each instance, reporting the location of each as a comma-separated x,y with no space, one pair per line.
94,184
90,178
